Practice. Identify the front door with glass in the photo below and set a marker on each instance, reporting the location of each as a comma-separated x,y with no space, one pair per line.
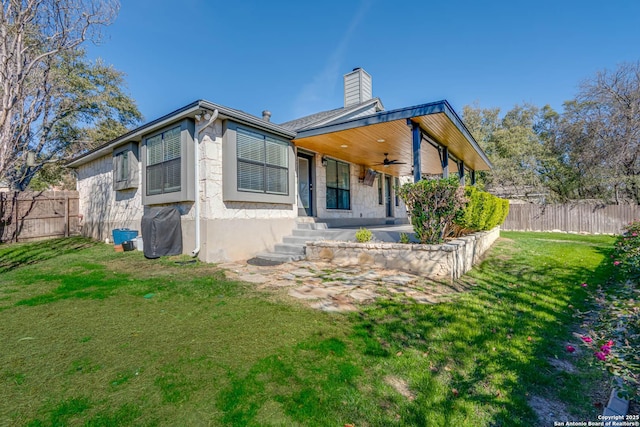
305,185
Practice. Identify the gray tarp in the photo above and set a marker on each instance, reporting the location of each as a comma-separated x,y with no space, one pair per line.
161,232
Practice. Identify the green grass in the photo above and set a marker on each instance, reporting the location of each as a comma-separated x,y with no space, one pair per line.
93,337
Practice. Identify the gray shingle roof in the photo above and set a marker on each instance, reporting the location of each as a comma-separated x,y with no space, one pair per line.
324,116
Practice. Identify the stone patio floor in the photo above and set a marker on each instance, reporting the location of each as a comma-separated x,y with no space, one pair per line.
328,287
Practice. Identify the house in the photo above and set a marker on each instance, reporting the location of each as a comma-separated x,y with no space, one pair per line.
241,182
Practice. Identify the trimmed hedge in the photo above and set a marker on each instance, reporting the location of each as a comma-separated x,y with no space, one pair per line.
482,212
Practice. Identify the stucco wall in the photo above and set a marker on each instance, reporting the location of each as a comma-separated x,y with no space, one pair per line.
448,261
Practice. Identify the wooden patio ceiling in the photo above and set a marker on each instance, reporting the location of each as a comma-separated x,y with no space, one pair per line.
364,141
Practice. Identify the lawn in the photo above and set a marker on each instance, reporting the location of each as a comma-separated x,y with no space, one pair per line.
98,338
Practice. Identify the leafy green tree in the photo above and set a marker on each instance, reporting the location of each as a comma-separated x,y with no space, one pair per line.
558,175
55,102
513,146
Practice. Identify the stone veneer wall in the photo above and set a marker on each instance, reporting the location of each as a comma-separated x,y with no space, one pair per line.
102,208
234,230
364,198
447,261
229,230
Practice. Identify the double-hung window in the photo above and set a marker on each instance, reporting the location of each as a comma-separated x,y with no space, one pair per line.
263,163
338,185
164,162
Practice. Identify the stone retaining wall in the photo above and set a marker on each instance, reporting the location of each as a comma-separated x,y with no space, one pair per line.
447,261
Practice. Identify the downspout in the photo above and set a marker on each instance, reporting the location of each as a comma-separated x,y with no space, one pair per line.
212,118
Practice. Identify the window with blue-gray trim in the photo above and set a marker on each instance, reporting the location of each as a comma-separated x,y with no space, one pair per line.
338,185
263,163
163,162
125,167
168,164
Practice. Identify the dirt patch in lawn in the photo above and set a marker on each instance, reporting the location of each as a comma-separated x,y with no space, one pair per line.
548,411
400,386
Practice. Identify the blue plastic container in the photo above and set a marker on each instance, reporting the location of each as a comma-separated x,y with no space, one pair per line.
123,235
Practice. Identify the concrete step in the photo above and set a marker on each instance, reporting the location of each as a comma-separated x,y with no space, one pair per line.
326,234
293,247
289,248
311,226
282,258
302,219
301,240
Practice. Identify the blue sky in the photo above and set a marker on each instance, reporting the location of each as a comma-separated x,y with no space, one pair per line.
290,56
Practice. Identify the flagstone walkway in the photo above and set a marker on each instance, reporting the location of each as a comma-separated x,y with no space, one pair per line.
340,289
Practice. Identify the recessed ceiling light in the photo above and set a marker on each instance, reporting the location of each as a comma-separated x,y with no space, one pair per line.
381,140
344,146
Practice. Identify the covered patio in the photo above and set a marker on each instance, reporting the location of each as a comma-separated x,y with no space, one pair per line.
424,140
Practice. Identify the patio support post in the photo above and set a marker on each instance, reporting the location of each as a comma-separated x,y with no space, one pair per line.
417,141
473,177
461,172
445,162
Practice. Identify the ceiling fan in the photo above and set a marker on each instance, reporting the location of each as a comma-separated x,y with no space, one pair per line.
386,162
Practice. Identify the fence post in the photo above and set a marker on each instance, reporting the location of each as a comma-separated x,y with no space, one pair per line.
15,222
66,214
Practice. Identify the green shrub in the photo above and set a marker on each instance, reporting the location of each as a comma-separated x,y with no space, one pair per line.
482,212
404,238
505,211
433,204
363,235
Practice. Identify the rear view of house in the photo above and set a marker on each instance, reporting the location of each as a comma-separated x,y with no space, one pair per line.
241,182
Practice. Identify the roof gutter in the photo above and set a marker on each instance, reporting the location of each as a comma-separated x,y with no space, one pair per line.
136,134
184,112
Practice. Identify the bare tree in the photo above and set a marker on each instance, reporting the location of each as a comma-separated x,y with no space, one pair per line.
38,38
600,134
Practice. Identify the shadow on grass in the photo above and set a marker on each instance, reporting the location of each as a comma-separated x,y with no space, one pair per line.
17,255
487,351
475,360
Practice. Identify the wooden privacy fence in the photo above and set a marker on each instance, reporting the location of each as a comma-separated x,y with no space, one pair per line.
38,215
573,218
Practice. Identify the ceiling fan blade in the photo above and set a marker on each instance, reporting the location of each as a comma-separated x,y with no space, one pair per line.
387,162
